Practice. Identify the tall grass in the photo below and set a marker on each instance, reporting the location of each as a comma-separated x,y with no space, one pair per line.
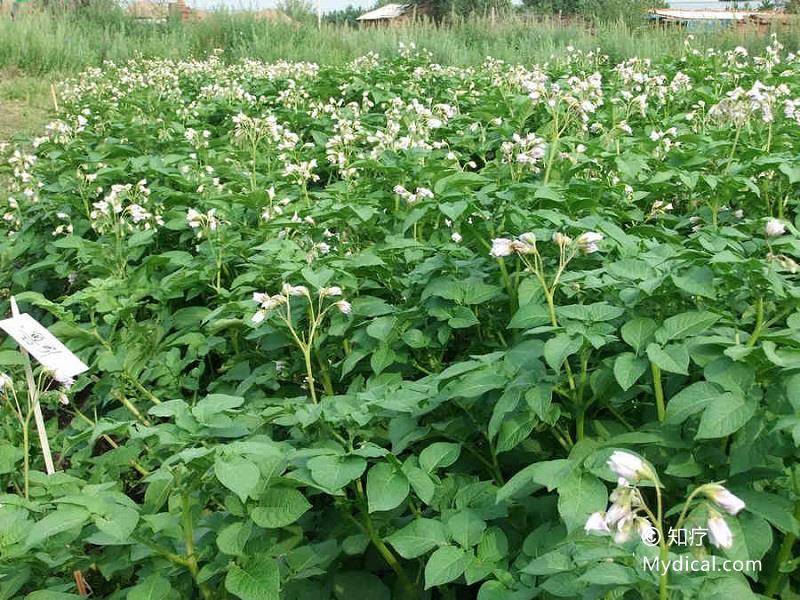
48,44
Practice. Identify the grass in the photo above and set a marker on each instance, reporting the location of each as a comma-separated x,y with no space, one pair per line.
37,49
25,104
46,43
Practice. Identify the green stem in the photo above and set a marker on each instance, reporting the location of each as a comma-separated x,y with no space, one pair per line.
26,454
327,382
733,148
663,577
310,374
551,156
580,424
659,391
376,540
188,537
759,322
507,283
139,387
784,554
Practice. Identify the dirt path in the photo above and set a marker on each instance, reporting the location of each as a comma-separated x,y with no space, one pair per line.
24,104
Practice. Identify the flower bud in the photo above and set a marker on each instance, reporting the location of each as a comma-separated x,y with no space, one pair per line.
774,228
294,290
719,534
722,497
629,466
589,242
561,239
596,523
501,247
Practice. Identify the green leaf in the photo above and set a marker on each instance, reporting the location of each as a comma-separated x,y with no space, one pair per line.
684,325
444,565
532,314
466,179
453,210
317,277
279,507
381,327
558,348
628,368
9,457
475,384
513,431
214,404
597,312
259,579
692,400
358,584
64,518
673,358
493,546
233,538
725,415
439,455
697,281
237,474
154,587
462,318
387,487
418,537
548,473
793,173
421,483
466,528
335,472
638,332
775,509
51,595
610,574
580,495
117,521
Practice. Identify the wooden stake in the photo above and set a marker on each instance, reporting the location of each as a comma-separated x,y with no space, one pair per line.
33,394
80,583
55,96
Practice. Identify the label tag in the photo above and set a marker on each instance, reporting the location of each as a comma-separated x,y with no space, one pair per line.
43,346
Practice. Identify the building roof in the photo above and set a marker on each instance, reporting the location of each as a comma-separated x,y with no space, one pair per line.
675,14
387,11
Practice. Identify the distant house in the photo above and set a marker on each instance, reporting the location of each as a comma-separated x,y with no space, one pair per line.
713,16
145,10
392,14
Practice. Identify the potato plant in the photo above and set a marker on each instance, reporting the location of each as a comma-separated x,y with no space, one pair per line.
403,330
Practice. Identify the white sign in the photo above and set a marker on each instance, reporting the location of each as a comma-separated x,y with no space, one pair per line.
43,346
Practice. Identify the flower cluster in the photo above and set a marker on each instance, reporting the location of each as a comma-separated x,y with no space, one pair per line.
586,243
528,151
267,303
628,513
127,206
420,193
202,223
